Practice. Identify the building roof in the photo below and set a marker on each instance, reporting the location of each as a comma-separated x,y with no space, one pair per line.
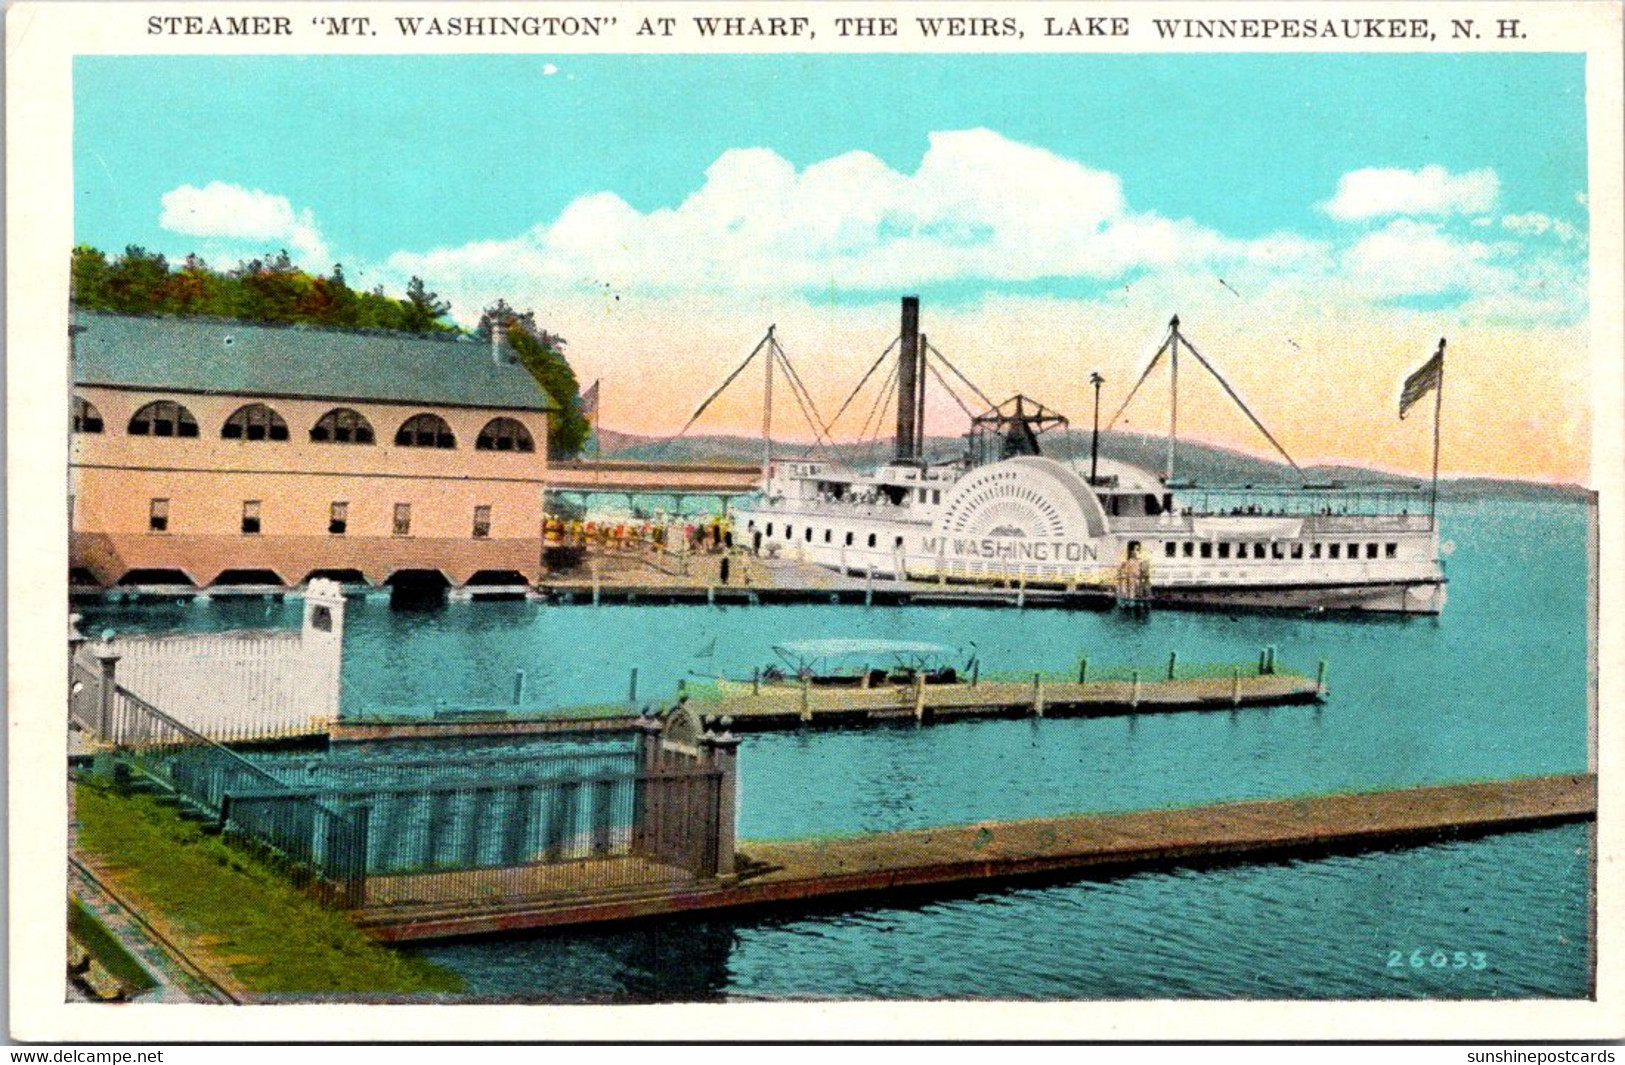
211,355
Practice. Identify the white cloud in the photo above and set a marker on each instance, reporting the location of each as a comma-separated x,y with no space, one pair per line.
1432,190
1536,224
226,212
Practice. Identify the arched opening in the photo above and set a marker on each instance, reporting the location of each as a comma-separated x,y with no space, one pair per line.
163,418
417,589
254,422
236,578
342,576
425,430
342,426
86,418
135,577
486,578
83,577
504,434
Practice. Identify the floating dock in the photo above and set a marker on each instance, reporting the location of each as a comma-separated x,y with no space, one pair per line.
875,868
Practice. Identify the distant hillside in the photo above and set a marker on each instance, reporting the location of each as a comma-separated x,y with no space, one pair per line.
1202,463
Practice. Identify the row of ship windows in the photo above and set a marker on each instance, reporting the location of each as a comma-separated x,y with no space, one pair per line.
1333,549
338,518
807,535
256,421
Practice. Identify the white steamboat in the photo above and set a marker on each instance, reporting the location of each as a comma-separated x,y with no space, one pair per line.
1007,514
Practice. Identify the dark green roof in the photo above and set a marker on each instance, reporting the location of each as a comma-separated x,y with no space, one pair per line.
211,355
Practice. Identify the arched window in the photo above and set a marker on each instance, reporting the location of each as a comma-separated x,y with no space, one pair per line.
86,418
425,430
163,418
342,426
504,434
254,422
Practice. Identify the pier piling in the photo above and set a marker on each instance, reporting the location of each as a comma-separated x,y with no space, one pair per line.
1173,663
632,686
1320,678
1083,670
1038,695
1134,695
518,687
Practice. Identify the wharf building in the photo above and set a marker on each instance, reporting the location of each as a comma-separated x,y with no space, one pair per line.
218,454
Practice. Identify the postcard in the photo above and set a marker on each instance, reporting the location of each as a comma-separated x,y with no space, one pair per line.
841,521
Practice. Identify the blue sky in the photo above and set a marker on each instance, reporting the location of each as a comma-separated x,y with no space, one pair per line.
416,152
660,211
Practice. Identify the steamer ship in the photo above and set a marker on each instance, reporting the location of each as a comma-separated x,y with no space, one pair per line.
1007,513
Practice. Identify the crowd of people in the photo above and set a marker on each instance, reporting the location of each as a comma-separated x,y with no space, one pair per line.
712,536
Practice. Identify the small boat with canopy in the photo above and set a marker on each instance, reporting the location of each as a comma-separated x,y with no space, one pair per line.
860,663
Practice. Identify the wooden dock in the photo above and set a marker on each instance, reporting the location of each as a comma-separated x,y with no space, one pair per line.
788,706
876,868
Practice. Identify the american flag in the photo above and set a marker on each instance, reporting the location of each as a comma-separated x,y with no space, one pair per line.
1423,381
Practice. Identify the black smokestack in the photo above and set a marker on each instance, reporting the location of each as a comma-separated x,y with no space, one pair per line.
908,366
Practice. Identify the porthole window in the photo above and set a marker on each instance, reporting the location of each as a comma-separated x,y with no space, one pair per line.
425,430
504,434
254,422
342,426
163,418
86,418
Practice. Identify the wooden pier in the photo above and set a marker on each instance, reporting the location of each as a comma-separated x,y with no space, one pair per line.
875,868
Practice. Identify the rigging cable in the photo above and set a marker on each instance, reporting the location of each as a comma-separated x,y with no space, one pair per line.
864,381
712,397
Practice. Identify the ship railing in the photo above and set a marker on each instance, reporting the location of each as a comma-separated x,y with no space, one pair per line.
1285,501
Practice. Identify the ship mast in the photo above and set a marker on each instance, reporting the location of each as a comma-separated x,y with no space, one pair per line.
767,403
1173,391
908,383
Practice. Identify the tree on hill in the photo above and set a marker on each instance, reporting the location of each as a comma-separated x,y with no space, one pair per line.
422,310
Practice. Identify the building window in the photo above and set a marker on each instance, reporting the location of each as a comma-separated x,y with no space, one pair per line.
425,430
871,539
1314,550
86,418
504,434
403,519
1277,550
808,537
1258,550
827,534
158,516
1190,549
848,539
1390,550
1224,550
1207,550
899,542
770,529
1335,551
254,422
163,418
342,426
251,517
338,518
1171,549
1370,550
1297,550
482,522
789,532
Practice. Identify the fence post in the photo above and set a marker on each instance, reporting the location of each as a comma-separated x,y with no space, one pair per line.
645,803
756,681
1173,663
518,687
975,672
107,659
1083,670
1235,686
632,686
806,698
722,756
1134,693
1038,695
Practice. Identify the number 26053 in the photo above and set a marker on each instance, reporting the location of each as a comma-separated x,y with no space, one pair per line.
1438,959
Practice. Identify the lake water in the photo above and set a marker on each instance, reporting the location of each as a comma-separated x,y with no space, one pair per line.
1496,687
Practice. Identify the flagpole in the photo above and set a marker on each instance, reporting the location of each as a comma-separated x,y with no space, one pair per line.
1438,408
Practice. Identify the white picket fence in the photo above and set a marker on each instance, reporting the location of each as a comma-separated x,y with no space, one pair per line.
246,685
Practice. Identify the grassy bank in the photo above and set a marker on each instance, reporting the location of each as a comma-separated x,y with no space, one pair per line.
272,936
